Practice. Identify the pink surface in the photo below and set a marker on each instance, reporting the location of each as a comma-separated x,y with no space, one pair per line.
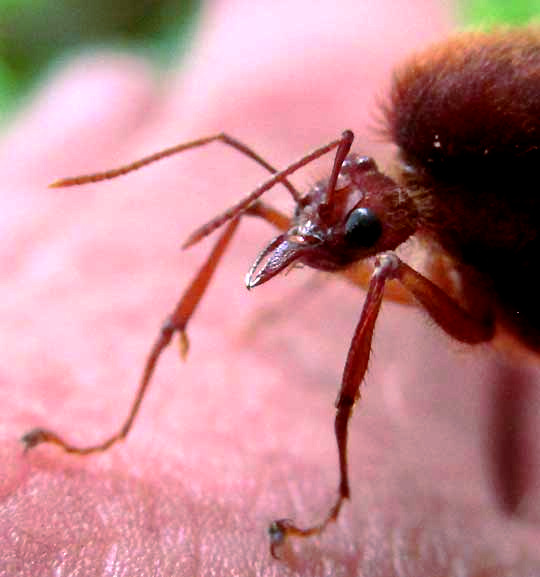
242,432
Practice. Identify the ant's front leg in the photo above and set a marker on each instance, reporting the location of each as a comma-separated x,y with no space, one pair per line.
175,323
353,375
464,325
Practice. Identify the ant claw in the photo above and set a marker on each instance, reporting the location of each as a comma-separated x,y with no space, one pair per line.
34,438
278,532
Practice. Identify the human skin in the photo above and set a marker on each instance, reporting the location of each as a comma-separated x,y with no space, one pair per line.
242,432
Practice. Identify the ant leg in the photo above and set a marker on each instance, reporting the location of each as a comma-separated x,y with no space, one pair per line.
175,323
466,326
270,214
439,268
445,311
360,273
355,368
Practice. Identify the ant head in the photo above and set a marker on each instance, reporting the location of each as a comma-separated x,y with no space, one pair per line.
357,213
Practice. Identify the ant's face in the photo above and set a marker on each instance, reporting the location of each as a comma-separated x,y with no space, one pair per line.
334,227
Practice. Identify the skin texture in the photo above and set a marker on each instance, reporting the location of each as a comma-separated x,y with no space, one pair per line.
444,444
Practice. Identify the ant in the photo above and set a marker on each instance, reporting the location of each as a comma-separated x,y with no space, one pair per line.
465,115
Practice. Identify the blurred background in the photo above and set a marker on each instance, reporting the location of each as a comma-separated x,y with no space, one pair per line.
36,35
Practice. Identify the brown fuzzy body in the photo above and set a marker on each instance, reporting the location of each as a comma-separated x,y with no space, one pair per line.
466,117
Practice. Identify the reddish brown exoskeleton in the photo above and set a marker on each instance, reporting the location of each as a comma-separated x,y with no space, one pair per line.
466,118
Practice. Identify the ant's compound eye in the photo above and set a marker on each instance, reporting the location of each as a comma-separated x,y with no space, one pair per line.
363,228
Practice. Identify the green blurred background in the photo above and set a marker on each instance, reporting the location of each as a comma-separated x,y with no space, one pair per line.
34,34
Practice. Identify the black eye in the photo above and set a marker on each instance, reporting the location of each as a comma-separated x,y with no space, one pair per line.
363,228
